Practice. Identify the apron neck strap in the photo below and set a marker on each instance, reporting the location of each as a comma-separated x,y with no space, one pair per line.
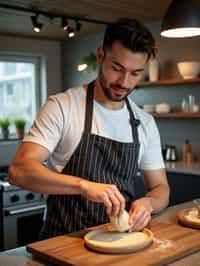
134,122
89,107
89,113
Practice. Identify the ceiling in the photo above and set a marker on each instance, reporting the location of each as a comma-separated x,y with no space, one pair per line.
18,23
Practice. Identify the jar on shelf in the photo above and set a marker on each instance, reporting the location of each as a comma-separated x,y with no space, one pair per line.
153,70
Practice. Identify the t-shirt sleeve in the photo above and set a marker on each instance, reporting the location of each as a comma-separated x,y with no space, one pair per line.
152,158
47,128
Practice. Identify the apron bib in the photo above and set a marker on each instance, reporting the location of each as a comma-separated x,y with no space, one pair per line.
96,159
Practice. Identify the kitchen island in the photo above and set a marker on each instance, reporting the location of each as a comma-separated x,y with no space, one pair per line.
19,256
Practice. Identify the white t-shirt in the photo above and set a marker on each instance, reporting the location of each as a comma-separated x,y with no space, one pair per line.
60,123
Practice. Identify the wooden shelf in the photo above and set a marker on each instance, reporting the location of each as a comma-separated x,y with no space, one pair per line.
177,115
168,82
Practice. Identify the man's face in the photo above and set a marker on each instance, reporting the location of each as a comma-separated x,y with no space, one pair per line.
120,70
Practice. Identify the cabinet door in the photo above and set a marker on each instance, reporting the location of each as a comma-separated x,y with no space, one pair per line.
183,187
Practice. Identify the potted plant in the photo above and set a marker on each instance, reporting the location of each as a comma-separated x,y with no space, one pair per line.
20,127
90,61
4,124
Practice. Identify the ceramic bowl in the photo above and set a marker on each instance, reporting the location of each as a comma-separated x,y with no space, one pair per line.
189,69
149,108
163,108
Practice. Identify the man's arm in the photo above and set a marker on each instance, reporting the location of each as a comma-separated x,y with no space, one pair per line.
155,200
27,171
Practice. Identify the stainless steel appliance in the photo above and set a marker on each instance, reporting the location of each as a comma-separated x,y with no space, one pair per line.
21,214
171,153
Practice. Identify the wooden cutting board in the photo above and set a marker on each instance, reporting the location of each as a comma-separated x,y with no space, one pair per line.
171,242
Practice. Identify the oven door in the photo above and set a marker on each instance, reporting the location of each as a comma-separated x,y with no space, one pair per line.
22,224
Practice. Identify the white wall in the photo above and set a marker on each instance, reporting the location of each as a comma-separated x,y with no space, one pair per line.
51,50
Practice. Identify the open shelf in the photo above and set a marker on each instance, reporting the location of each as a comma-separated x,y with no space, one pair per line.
177,115
168,82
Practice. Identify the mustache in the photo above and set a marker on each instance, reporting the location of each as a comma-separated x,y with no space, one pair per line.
119,87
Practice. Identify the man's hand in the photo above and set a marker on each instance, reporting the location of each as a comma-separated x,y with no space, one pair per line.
140,214
107,194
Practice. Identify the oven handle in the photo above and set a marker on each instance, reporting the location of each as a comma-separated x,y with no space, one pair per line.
24,210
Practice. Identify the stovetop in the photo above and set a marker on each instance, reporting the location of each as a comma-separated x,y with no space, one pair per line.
4,177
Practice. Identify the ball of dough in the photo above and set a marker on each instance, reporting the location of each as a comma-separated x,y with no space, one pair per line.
120,223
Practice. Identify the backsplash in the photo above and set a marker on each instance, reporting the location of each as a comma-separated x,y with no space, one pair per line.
7,151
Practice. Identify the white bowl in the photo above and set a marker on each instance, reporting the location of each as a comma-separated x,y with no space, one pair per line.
163,108
149,108
189,69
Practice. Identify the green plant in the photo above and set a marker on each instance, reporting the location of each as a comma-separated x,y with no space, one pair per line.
90,60
20,122
4,123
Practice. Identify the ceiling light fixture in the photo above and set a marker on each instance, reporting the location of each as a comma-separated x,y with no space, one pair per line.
37,26
64,23
53,15
71,32
78,26
182,19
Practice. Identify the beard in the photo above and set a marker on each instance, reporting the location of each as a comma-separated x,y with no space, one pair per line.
107,89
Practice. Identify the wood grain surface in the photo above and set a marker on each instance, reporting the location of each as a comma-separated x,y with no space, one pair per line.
171,242
183,214
108,240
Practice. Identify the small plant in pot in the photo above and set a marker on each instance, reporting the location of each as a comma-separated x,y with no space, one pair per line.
4,124
20,127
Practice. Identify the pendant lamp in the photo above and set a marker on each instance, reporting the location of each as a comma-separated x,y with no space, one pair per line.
182,19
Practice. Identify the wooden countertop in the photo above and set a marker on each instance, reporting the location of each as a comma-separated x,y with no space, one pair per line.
20,256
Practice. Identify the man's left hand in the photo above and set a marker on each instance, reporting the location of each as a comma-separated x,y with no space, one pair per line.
140,214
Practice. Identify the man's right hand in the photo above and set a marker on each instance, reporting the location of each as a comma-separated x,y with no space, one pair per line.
107,194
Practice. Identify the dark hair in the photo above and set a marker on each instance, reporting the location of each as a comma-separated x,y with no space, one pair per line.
132,34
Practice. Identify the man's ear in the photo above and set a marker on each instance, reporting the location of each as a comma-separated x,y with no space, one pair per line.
100,55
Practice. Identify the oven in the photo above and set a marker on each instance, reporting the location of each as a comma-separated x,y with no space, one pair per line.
21,213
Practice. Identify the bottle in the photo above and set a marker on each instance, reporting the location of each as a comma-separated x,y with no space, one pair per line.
153,70
187,151
184,105
191,102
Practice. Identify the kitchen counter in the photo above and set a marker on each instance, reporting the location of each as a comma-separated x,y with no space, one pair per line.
192,168
19,256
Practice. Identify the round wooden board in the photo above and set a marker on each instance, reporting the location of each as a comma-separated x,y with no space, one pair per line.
182,218
107,240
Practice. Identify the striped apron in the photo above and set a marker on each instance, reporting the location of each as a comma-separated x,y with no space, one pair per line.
96,159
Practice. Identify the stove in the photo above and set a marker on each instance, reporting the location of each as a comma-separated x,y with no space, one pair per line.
21,213
4,173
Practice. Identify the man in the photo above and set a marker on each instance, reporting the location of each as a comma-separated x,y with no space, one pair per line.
94,138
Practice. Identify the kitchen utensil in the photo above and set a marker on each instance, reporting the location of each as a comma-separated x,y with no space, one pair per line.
190,217
171,242
108,240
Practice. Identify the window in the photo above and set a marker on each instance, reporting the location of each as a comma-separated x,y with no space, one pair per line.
20,92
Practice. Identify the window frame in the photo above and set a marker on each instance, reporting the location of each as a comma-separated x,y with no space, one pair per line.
40,88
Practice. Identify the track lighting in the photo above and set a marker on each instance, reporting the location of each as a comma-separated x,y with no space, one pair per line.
78,26
62,17
64,23
182,19
37,26
71,32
